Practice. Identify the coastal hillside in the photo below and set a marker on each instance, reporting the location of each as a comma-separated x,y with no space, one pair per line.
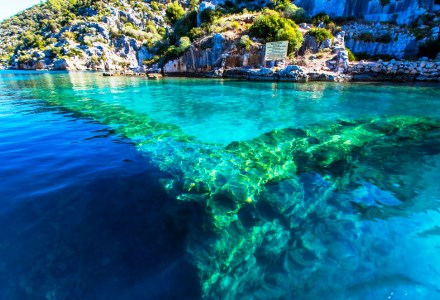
191,35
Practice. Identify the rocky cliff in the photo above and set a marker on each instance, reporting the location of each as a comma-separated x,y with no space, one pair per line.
401,11
86,34
380,39
192,37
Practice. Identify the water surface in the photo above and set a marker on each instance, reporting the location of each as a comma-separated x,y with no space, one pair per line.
121,188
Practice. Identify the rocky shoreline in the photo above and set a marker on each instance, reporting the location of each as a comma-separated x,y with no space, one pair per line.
394,71
380,71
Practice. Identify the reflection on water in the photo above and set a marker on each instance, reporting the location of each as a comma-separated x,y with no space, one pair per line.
274,191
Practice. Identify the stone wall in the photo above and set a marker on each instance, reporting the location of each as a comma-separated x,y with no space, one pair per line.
393,70
396,70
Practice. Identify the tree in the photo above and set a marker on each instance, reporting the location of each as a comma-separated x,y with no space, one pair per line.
174,11
209,15
321,18
272,27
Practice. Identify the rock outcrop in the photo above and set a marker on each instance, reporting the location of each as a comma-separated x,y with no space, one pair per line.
111,38
400,11
218,56
109,35
386,39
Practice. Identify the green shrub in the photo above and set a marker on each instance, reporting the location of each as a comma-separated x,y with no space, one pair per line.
69,35
321,18
320,34
427,19
351,56
104,13
331,26
420,33
245,42
184,43
291,11
28,39
430,48
55,52
75,52
50,25
95,59
361,56
236,25
87,41
24,58
272,28
165,52
366,56
161,31
195,33
344,20
151,29
31,40
174,12
5,57
151,61
156,6
384,38
50,41
365,37
131,31
208,16
130,25
183,26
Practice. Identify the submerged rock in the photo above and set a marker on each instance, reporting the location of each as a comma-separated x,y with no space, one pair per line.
266,205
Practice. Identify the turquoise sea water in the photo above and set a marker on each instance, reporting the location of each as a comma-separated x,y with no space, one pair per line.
124,188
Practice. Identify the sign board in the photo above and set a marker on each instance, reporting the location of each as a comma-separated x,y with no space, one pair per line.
276,50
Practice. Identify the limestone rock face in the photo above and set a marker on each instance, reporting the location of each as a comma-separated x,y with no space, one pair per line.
30,65
197,60
309,44
142,55
400,43
41,65
217,40
110,38
403,11
61,64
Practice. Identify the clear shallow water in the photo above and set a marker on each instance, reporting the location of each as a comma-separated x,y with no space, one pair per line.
89,192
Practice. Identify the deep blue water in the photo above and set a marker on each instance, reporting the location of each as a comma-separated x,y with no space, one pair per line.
85,211
82,215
